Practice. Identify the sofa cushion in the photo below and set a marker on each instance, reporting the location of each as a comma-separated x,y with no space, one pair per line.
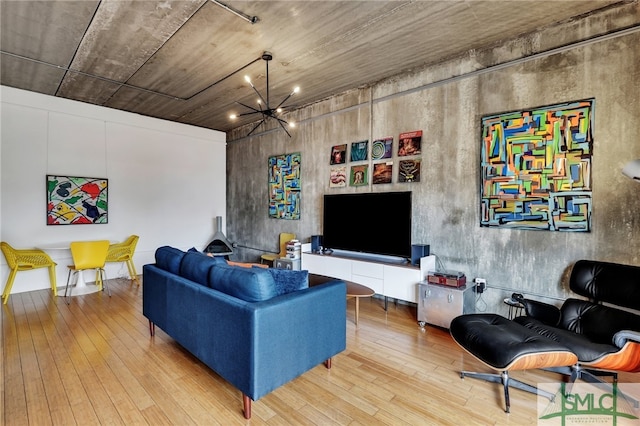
195,266
287,280
169,259
249,284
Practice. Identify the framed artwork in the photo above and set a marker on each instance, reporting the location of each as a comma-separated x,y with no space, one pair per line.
536,168
410,143
73,200
338,154
409,170
382,173
284,186
382,148
359,150
359,175
338,178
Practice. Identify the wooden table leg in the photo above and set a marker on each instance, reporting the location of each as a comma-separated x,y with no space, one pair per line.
357,309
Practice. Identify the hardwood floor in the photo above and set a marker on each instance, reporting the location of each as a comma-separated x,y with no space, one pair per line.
93,362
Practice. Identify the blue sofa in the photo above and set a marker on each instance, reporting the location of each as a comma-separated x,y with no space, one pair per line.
257,328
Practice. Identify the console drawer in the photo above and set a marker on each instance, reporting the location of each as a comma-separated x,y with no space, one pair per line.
367,269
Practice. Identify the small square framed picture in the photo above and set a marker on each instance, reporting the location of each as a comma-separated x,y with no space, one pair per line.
338,154
359,175
382,173
410,143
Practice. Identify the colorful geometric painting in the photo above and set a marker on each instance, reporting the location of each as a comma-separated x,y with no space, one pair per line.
284,186
76,200
536,168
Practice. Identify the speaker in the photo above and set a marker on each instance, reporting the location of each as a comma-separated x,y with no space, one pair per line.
418,251
316,243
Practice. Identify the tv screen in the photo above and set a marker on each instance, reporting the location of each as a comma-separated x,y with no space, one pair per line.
376,223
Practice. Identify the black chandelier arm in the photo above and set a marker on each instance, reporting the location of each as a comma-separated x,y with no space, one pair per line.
267,58
244,114
257,125
280,121
255,110
285,99
256,90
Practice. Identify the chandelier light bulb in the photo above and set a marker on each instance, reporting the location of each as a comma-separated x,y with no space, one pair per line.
292,124
233,116
279,110
259,102
296,89
247,79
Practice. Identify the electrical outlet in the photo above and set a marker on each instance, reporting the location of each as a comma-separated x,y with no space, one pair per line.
481,284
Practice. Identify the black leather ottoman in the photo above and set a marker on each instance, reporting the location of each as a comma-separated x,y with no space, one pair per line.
504,345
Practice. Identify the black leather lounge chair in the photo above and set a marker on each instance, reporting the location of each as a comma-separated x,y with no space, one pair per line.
604,336
584,338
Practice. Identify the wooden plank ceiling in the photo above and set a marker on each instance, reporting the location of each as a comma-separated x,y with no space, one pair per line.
185,60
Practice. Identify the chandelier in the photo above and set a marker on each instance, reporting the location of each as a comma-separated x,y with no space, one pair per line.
264,106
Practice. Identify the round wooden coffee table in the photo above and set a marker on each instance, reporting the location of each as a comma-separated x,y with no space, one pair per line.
354,290
357,291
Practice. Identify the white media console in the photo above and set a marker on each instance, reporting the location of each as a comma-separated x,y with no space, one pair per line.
395,280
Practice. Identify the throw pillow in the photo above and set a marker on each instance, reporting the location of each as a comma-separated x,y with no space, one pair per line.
247,265
249,284
288,280
169,259
195,267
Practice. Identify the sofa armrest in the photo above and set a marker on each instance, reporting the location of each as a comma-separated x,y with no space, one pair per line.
624,336
262,345
544,312
154,294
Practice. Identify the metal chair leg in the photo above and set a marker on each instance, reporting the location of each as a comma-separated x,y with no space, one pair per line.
103,280
67,298
504,376
506,381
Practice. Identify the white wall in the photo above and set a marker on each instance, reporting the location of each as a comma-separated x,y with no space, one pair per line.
167,181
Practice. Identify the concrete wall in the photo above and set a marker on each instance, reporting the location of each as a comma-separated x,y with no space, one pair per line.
166,180
447,102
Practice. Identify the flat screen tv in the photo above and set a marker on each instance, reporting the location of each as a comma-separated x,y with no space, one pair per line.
377,223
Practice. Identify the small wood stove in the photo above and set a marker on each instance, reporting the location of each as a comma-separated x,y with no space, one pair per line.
219,245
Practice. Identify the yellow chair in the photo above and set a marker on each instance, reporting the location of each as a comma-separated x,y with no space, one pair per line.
284,239
88,255
25,260
123,252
